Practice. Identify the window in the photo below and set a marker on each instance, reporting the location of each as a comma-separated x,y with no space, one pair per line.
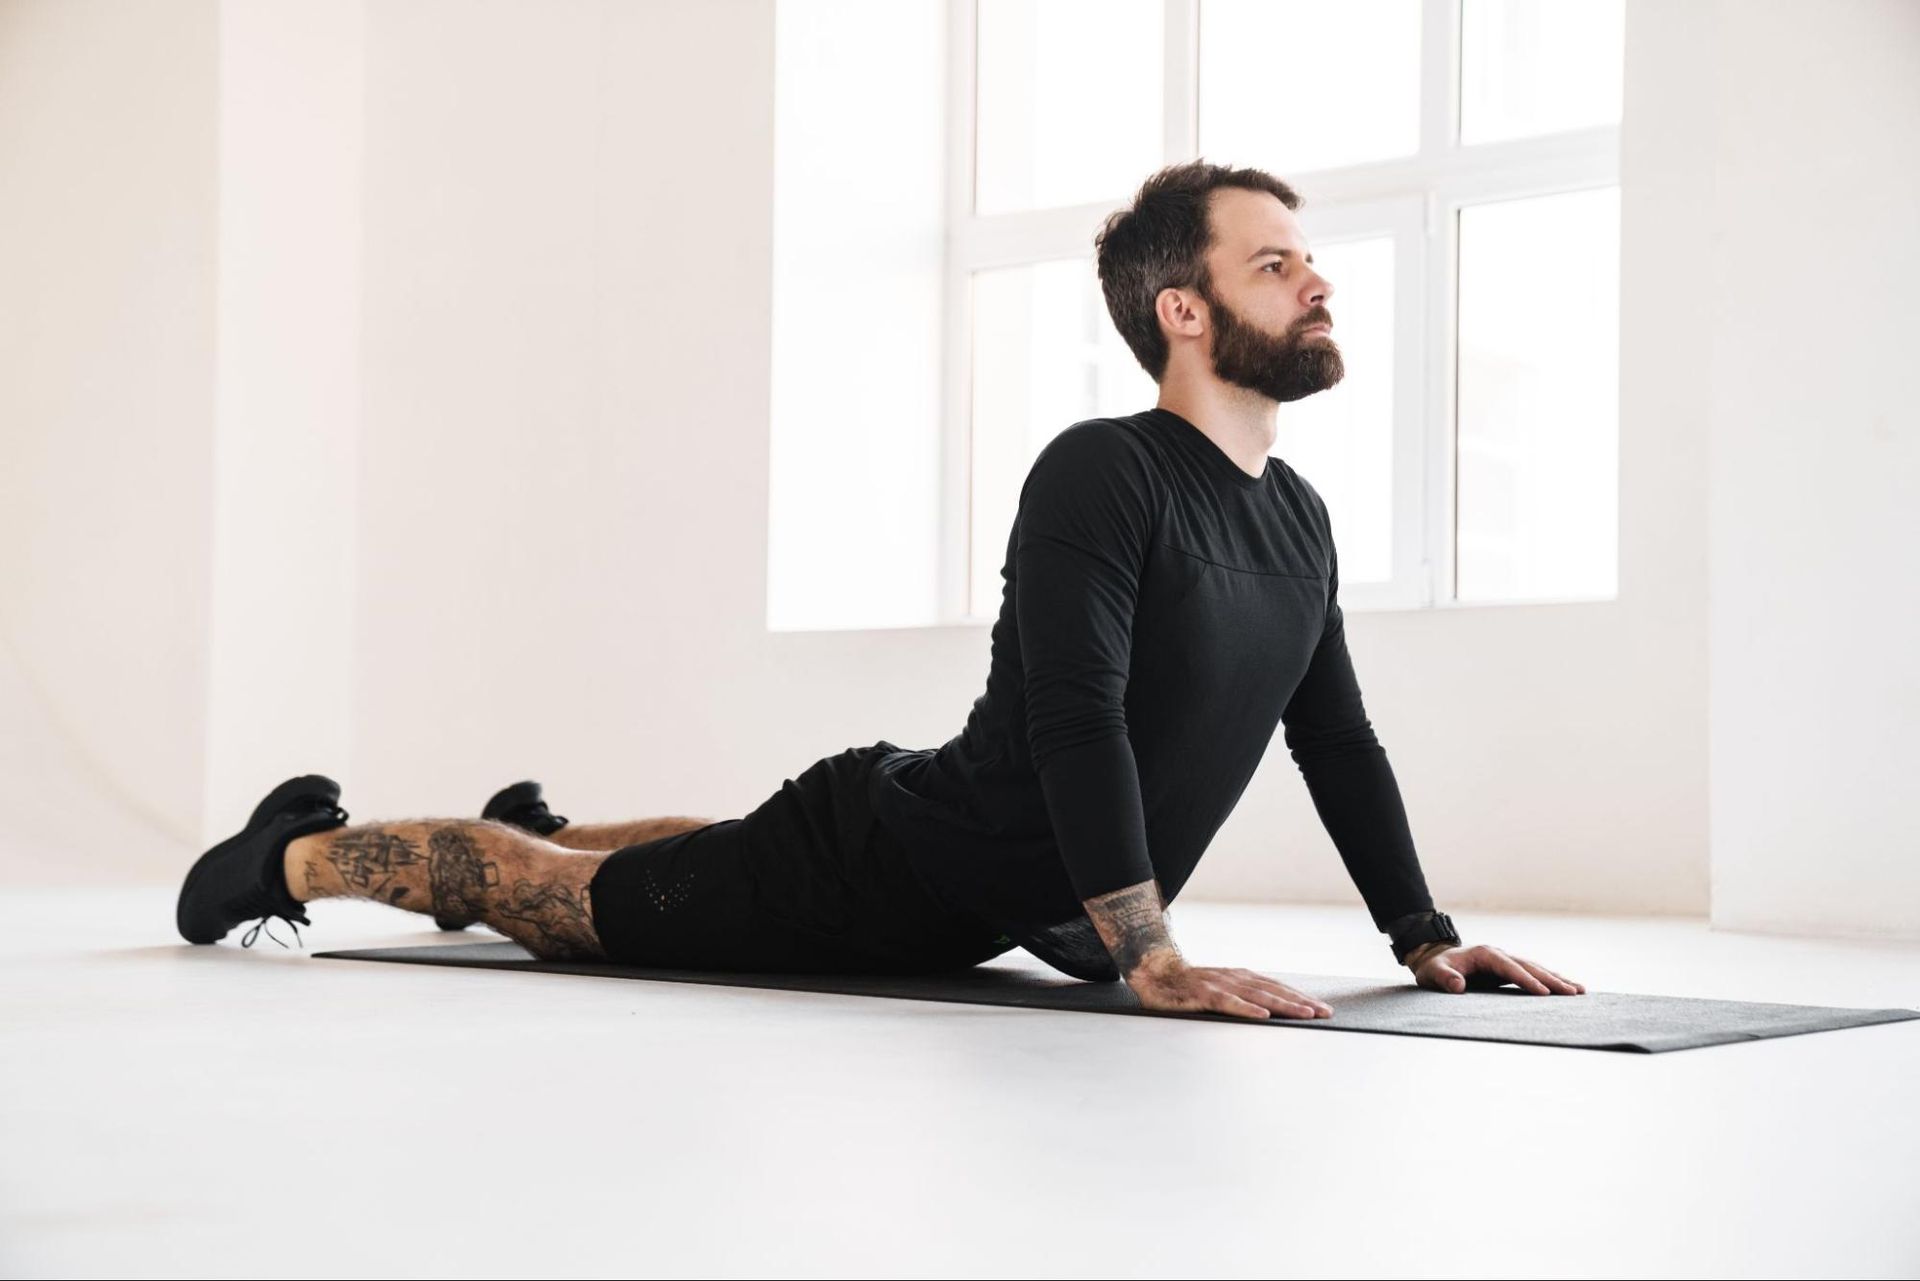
858,485
1458,161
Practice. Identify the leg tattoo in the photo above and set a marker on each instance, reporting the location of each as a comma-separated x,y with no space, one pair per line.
370,863
534,894
459,878
556,915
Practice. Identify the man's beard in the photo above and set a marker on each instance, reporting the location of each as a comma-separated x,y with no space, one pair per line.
1280,369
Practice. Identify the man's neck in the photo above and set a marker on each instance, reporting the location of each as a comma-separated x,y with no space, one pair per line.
1239,421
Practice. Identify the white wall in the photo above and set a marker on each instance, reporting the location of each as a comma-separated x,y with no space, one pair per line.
180,406
287,410
108,220
1815,614
562,482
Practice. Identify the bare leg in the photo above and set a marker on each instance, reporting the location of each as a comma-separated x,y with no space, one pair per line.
530,890
613,836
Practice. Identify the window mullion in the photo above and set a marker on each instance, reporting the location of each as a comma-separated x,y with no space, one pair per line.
1439,79
1438,300
1182,80
1440,271
956,389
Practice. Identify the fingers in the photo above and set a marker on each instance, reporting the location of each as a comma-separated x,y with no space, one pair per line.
1224,1001
1507,967
1279,997
1486,959
1564,986
1521,972
1229,997
1240,993
1491,960
1288,1001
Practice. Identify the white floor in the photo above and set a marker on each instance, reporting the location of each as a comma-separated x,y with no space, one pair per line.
172,1110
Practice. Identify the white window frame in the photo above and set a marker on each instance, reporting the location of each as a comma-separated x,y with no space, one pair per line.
1416,199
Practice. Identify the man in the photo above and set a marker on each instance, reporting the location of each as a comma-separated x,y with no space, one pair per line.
1171,597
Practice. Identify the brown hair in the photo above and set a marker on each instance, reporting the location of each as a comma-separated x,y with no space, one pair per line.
1160,242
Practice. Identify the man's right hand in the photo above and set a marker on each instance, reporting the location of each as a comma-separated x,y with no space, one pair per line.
1167,982
1132,922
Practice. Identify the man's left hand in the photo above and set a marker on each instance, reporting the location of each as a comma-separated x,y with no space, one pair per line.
1483,967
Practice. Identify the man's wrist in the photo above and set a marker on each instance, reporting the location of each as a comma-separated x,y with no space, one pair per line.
1154,964
1417,935
1132,923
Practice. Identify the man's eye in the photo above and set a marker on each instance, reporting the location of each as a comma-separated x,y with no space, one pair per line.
1271,266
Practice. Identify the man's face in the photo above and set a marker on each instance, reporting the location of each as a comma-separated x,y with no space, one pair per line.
1263,304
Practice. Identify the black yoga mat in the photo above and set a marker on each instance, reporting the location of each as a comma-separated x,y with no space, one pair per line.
1590,1021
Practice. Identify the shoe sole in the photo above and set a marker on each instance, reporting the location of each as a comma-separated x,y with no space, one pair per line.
291,790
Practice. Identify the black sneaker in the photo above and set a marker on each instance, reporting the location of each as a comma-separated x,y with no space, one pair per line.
244,876
521,806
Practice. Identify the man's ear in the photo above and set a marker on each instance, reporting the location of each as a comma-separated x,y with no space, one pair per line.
1181,311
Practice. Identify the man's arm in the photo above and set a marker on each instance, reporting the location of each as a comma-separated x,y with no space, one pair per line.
1349,778
1080,543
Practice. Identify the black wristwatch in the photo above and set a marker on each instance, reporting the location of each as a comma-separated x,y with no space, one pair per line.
1433,928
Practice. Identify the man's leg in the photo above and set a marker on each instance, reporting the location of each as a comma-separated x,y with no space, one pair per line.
528,889
613,836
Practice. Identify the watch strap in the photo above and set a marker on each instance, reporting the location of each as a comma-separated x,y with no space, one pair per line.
1432,928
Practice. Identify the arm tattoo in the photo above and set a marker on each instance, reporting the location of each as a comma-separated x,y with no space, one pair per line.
1132,923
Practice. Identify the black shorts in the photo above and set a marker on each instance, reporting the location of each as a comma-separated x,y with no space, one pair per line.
809,882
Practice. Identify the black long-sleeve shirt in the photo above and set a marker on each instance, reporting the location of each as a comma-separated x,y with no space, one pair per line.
1163,612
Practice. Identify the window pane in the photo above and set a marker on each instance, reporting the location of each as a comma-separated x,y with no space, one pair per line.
1341,439
1301,84
1069,106
1045,356
848,456
1527,67
1539,379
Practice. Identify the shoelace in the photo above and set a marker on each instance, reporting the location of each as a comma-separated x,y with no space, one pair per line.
247,940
